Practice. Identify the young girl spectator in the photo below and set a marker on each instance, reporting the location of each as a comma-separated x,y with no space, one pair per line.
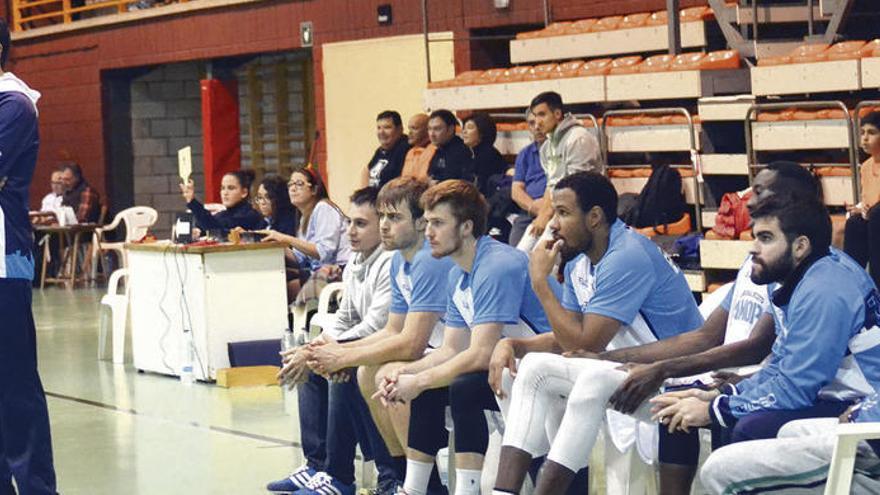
321,238
274,204
861,238
234,194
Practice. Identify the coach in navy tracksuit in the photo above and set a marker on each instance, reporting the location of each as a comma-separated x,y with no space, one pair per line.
25,443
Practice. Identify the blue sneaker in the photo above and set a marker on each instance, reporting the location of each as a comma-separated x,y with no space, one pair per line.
296,481
324,484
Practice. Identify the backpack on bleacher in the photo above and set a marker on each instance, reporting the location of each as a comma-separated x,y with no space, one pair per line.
733,217
661,200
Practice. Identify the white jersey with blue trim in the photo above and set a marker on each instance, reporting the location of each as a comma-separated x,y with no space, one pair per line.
745,303
496,290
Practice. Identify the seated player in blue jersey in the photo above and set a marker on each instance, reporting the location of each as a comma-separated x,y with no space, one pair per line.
489,298
620,290
741,323
415,320
826,353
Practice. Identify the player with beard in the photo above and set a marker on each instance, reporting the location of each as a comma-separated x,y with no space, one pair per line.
826,353
490,297
620,290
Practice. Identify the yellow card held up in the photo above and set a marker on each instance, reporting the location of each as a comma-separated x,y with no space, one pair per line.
184,163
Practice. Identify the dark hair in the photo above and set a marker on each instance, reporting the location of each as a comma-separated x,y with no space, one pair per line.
444,115
74,168
551,98
592,189
463,198
5,42
276,190
798,217
794,180
391,115
245,178
364,195
315,179
872,118
485,126
406,190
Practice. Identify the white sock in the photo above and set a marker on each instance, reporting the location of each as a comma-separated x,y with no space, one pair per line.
417,476
467,481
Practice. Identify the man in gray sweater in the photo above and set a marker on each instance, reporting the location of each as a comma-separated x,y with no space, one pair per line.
568,148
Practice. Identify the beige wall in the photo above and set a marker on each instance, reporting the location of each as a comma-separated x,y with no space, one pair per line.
363,78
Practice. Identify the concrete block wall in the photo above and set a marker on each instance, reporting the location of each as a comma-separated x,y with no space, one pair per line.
265,65
166,115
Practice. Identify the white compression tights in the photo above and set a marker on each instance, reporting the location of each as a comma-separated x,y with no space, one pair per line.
571,394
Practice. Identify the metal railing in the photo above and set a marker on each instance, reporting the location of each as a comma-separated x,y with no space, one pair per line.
51,12
752,153
605,148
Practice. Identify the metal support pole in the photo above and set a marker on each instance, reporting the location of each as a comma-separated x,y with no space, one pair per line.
810,19
546,13
673,15
425,34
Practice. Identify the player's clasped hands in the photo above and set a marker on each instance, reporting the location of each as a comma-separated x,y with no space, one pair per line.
683,409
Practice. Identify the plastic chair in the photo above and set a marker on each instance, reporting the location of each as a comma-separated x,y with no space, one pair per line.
137,220
681,227
118,304
323,318
626,65
843,460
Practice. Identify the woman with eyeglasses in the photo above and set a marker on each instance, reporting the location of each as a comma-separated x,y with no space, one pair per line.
234,194
273,202
321,237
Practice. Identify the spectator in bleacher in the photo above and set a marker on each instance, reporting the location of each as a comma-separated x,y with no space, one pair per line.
321,238
529,181
274,204
478,132
569,148
861,238
387,161
421,150
79,195
452,159
234,194
362,312
52,201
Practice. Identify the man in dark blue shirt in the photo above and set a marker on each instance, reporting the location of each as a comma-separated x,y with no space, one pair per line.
25,443
529,181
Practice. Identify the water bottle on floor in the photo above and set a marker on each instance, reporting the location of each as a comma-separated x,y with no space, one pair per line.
186,365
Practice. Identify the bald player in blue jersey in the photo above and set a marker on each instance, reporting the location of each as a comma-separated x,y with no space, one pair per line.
489,298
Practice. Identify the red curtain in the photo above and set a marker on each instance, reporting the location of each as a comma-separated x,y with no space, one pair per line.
220,133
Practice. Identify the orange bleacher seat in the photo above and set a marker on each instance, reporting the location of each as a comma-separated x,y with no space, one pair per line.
625,65
623,120
506,127
554,29
746,235
842,171
687,61
831,114
490,76
801,114
711,235
529,35
693,14
846,50
598,67
771,61
582,26
713,287
681,227
609,23
588,122
567,69
656,63
441,84
806,54
866,110
660,18
539,72
515,74
467,78
869,48
634,20
721,59
652,120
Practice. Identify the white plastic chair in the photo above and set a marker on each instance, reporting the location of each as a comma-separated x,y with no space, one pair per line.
840,472
118,304
323,317
137,220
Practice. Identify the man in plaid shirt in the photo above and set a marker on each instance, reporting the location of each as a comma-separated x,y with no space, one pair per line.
79,195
